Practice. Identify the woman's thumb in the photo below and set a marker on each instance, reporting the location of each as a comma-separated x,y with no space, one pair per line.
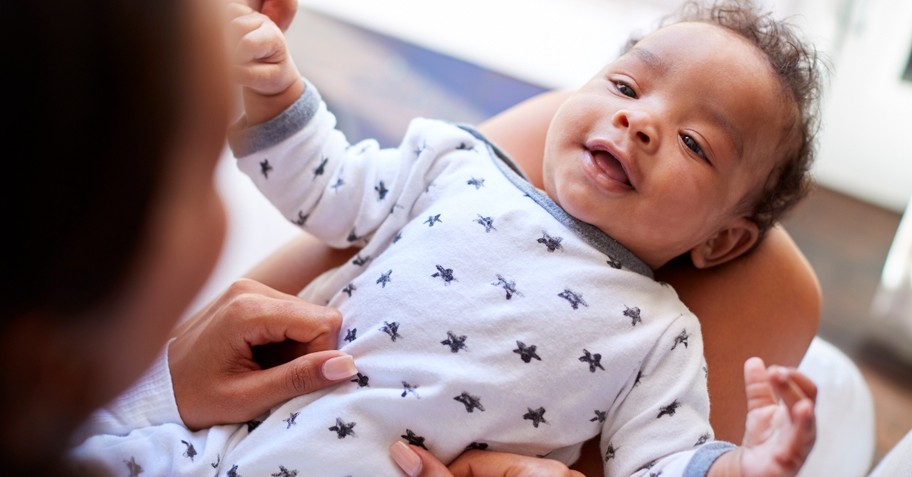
416,462
300,376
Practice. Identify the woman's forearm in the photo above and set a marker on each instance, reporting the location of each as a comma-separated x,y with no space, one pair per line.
290,268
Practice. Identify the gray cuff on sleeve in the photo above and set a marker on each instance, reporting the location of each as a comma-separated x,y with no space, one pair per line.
704,457
247,140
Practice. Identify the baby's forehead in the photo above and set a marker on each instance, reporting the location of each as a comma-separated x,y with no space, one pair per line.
721,76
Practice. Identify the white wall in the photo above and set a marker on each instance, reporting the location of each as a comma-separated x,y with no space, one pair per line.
866,144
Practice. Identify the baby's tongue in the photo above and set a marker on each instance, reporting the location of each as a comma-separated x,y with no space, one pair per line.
610,166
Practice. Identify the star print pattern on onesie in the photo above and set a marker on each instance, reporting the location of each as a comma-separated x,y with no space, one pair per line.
498,309
575,299
265,168
283,472
190,453
551,243
445,274
290,421
392,329
456,343
362,380
414,439
594,360
526,353
134,468
343,429
471,402
348,290
320,169
537,416
633,314
509,286
486,222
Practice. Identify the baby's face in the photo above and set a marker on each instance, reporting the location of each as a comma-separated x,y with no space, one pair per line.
661,147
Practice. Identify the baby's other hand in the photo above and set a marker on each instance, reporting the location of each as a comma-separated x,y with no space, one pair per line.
262,64
781,427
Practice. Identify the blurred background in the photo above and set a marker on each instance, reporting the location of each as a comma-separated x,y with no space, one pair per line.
380,63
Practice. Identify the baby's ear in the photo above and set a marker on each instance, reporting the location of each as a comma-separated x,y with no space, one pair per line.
729,243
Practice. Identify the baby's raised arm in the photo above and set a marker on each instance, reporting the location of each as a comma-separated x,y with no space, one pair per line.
262,65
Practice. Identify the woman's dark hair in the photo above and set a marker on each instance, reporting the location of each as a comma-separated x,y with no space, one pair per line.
93,104
796,64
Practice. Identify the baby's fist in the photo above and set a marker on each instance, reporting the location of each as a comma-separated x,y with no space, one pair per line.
261,60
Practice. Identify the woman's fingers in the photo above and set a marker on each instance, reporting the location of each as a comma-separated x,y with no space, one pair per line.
411,461
303,375
217,370
417,462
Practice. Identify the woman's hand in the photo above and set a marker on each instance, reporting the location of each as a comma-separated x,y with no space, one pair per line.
250,349
416,462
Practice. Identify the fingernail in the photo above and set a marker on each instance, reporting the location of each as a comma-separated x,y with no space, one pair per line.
406,459
340,367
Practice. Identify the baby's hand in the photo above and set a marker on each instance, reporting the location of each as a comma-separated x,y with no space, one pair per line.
781,427
262,64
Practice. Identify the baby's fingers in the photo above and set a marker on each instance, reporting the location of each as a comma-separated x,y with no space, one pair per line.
798,439
759,391
262,41
792,386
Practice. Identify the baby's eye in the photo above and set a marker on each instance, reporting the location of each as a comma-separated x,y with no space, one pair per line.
692,144
625,90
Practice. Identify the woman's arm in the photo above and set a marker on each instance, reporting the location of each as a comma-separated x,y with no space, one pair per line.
764,304
290,268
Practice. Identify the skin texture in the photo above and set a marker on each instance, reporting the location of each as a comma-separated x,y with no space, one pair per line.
726,151
659,149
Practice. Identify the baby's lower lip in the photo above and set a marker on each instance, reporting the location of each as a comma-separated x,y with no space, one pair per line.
610,166
606,176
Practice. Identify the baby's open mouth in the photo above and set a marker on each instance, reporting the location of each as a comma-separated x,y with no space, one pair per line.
611,166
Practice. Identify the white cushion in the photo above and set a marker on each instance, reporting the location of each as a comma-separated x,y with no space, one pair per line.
845,414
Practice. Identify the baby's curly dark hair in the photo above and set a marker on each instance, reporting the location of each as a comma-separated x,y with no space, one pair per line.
796,63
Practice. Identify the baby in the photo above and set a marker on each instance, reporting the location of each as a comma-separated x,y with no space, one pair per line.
484,313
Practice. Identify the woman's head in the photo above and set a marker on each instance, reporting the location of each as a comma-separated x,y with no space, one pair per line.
119,112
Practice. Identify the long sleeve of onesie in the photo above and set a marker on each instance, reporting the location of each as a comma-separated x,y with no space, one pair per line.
338,191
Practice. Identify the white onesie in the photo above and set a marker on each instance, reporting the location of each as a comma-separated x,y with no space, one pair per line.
479,314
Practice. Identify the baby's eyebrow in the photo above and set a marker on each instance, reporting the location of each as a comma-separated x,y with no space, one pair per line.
731,130
651,59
